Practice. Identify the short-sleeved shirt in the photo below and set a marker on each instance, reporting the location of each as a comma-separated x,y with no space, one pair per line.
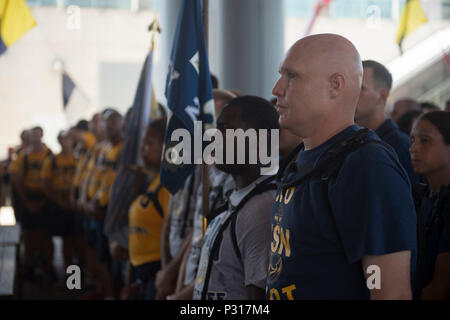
94,168
145,224
229,275
59,170
321,231
220,184
88,144
437,239
389,132
108,173
29,164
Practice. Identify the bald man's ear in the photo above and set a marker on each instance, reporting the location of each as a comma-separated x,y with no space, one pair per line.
336,85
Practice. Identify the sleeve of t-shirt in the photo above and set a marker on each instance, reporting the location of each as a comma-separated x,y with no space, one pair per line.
253,238
16,166
372,204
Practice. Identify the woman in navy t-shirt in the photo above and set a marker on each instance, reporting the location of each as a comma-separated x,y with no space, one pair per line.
430,156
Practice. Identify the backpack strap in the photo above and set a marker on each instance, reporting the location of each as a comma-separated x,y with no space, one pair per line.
333,159
26,165
53,159
153,197
261,187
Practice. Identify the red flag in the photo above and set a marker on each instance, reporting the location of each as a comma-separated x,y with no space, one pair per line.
447,60
319,6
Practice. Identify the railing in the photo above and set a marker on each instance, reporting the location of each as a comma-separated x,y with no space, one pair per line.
104,4
360,9
439,94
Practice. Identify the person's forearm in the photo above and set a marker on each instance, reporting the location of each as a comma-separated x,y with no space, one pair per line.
165,247
185,294
176,261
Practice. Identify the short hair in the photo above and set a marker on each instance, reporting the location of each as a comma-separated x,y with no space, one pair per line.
257,113
82,125
441,120
429,106
38,128
380,73
108,111
214,82
223,95
406,121
158,126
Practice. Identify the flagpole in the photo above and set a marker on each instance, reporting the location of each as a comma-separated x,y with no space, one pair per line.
205,171
154,28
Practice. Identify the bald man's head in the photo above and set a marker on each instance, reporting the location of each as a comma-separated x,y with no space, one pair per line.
320,84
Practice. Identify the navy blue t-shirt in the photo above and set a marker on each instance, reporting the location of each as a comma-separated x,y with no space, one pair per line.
317,243
389,132
437,238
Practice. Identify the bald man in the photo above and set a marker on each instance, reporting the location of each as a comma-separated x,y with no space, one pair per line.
343,224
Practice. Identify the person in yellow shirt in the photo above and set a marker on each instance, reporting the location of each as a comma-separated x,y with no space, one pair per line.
146,215
16,202
57,175
26,177
83,190
84,141
98,194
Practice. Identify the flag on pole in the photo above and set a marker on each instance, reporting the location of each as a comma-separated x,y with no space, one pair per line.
75,102
15,20
318,7
124,187
413,17
188,91
447,61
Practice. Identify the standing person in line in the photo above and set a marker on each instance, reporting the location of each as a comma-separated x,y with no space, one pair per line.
370,112
235,251
346,202
430,154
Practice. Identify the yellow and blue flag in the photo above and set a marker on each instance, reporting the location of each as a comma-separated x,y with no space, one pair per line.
124,188
413,17
15,20
188,91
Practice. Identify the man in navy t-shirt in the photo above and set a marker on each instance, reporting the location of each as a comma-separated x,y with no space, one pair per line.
370,113
353,236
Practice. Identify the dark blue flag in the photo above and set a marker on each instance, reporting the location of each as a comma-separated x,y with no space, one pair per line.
124,190
188,91
67,87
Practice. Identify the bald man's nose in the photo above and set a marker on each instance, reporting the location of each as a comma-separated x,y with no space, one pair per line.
278,89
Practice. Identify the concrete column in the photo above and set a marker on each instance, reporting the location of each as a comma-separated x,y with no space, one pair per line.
250,45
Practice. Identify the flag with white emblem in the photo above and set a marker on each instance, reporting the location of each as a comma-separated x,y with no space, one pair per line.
188,92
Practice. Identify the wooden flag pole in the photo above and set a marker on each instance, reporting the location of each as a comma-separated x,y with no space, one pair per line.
153,28
205,171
